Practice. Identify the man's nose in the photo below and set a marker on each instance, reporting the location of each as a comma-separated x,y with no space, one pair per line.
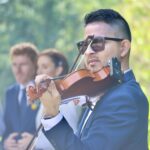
18,68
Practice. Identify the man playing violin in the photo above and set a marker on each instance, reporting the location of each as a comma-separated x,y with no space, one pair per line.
119,119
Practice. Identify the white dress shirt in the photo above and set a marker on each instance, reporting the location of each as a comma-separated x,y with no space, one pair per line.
70,112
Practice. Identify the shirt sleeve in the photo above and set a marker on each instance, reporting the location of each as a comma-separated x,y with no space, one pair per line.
50,123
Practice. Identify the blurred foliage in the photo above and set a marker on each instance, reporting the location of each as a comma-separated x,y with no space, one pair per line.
59,24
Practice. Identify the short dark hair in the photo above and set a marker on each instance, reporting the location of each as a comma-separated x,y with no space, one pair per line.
58,59
112,18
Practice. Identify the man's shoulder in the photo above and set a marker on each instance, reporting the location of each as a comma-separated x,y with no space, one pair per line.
12,88
124,88
129,91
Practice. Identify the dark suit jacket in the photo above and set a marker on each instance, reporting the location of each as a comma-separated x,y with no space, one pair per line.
119,121
14,122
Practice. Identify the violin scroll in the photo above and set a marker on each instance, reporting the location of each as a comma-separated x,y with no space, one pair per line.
34,93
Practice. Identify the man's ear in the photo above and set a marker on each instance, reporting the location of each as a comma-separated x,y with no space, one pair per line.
125,48
59,70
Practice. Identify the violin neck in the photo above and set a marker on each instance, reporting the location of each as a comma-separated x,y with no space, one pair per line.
59,77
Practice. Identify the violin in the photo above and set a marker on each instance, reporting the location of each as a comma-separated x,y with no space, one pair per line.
82,82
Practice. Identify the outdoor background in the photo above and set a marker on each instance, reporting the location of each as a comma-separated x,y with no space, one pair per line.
58,23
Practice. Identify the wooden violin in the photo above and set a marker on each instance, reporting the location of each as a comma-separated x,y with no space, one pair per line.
82,82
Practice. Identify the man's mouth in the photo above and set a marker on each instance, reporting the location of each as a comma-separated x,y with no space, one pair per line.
93,61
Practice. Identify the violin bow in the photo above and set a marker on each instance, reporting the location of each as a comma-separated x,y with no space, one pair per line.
34,137
80,52
75,62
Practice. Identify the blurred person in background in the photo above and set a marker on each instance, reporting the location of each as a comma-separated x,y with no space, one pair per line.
54,64
19,117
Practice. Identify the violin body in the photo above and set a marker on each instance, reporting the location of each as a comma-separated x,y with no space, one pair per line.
82,82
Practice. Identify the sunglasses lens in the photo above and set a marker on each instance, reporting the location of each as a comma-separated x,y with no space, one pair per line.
82,46
98,44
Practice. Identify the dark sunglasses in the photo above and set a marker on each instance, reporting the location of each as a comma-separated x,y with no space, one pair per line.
97,43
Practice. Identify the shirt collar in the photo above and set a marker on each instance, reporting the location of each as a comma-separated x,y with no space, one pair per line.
21,86
126,71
